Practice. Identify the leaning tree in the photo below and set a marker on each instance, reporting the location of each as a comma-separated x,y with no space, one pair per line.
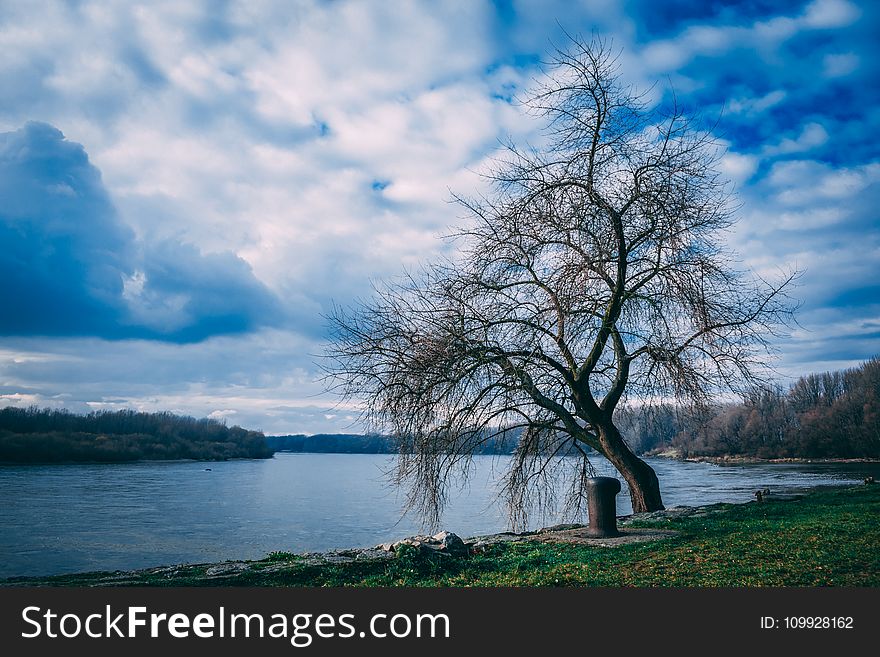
592,272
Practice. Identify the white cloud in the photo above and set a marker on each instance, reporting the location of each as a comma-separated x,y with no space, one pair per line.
738,167
222,414
822,14
812,135
763,36
25,400
805,182
811,218
339,55
840,64
85,75
754,106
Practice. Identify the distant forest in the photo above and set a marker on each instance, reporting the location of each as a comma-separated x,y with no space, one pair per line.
827,415
33,435
333,443
347,443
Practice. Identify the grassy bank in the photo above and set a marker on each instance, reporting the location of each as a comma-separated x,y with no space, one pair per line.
827,538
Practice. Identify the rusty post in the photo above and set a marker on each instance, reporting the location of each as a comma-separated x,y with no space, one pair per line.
602,506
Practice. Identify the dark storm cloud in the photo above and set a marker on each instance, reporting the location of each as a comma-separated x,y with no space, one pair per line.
64,252
70,267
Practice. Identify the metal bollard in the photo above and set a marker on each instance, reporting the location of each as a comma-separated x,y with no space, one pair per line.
602,507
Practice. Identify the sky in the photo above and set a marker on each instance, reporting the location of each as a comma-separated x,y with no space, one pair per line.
187,187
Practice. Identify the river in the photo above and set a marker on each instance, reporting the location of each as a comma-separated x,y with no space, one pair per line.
73,518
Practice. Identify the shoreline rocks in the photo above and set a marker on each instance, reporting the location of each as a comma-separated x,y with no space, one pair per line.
443,542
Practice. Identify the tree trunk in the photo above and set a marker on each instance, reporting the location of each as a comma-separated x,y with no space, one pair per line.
644,488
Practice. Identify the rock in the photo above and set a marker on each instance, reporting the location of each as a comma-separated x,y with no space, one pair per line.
670,513
374,554
441,543
451,543
420,543
230,568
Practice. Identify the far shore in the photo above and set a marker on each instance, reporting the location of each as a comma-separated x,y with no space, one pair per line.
739,459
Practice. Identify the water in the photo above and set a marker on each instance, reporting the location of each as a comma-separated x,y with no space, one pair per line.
74,518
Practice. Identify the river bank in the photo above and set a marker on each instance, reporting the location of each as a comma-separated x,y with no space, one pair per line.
825,538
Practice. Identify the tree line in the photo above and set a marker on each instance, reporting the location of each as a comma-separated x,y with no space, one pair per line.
333,443
348,443
34,435
827,415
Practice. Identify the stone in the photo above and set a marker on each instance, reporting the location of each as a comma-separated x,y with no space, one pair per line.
420,543
445,543
451,543
229,568
374,554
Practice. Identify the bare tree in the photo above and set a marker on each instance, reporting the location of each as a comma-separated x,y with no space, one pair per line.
593,271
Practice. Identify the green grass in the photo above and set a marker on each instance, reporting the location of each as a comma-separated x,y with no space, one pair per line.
827,538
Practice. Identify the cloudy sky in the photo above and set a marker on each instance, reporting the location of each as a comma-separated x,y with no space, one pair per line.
186,186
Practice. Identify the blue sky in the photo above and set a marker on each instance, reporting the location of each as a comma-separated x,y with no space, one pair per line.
186,186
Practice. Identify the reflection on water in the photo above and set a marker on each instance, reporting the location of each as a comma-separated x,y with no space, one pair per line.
73,518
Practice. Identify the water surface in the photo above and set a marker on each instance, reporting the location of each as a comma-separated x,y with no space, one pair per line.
72,518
